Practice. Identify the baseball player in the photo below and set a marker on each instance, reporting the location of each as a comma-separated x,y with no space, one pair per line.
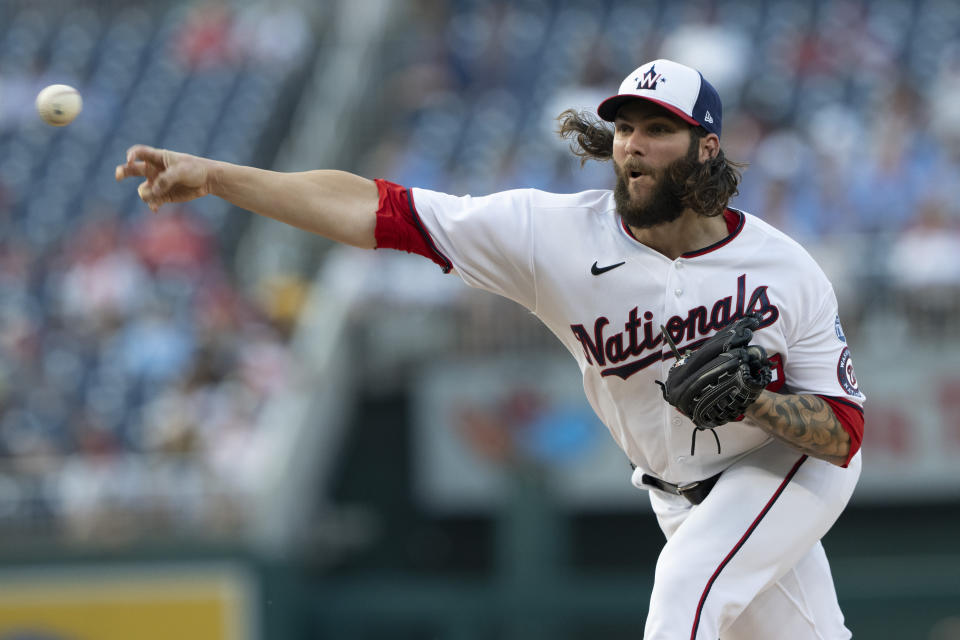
709,342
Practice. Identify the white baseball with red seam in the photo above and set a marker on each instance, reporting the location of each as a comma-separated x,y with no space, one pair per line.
59,104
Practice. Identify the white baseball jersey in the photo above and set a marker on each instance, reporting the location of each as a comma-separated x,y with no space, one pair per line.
571,261
745,563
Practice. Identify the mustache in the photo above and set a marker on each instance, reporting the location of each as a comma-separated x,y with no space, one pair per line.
637,165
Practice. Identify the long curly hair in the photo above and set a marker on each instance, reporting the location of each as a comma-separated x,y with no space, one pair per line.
707,189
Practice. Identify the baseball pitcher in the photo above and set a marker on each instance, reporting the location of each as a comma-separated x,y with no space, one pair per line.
709,342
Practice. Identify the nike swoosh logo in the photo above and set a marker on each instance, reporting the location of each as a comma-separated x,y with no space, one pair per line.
595,270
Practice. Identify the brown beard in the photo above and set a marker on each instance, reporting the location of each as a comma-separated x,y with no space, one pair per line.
665,203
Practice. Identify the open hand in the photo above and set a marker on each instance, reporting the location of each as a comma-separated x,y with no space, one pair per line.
170,176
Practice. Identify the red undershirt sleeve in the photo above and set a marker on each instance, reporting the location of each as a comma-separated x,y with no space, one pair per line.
850,416
399,227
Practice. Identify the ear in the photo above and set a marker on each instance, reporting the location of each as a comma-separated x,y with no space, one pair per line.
709,147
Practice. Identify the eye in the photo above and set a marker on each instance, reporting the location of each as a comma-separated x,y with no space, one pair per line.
624,128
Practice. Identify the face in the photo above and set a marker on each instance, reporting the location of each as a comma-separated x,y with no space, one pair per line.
653,152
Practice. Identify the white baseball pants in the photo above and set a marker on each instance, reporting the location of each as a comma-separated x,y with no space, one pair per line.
747,563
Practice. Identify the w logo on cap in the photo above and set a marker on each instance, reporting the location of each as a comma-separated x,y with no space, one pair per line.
650,79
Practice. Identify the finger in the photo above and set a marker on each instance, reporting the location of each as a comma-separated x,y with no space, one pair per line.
151,171
148,193
149,198
143,152
133,169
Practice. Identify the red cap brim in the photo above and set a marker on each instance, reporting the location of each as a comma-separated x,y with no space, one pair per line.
608,108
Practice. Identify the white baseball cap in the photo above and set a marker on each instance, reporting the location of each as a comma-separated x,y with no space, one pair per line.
675,87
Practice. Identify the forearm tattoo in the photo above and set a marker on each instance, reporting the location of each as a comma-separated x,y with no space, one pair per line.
805,422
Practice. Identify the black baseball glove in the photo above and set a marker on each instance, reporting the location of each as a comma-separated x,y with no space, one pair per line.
716,383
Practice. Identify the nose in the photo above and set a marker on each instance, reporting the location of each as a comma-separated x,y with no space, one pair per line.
635,144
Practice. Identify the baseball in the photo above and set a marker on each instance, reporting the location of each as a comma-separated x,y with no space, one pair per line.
59,104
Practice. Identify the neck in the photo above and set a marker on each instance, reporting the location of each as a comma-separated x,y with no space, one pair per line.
689,232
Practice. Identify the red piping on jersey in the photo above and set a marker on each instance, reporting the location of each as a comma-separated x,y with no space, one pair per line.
740,543
399,225
850,417
734,219
444,260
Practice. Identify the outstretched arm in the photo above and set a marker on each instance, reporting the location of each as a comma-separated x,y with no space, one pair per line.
805,422
334,204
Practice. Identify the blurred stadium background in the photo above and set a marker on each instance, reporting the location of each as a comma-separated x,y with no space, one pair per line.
213,426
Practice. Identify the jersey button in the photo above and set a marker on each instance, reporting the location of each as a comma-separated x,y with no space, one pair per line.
678,292
681,458
676,421
679,265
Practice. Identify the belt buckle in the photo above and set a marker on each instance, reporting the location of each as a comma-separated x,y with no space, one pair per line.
682,489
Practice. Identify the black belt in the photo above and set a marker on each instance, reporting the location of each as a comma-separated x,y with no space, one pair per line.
695,492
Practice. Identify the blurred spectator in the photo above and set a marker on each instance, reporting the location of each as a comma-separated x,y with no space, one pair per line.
270,34
264,365
886,187
174,241
204,40
94,438
768,191
103,282
924,268
844,42
943,94
282,299
154,347
696,44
